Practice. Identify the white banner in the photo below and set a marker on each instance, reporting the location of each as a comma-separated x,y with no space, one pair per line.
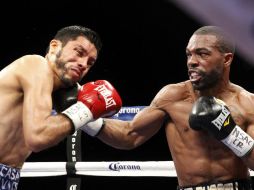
235,16
110,168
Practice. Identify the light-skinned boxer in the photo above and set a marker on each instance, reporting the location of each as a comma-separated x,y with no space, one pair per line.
26,87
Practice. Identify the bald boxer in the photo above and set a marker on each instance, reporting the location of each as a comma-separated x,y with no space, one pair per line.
26,87
208,120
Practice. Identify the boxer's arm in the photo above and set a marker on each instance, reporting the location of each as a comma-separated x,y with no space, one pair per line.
130,134
41,130
145,124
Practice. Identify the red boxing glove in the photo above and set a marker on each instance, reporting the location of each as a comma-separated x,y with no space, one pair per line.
101,98
95,99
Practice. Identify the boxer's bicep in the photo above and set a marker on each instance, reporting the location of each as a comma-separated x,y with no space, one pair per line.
147,123
37,85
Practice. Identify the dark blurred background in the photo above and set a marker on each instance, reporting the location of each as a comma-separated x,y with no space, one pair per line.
143,50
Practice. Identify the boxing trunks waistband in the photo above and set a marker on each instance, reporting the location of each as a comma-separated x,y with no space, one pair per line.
241,184
9,177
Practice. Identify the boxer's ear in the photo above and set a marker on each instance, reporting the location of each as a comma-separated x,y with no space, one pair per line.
64,98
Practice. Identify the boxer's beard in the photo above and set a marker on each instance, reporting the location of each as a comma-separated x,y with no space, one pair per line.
209,80
61,65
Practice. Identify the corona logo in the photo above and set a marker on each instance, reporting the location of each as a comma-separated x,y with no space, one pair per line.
118,166
73,145
73,187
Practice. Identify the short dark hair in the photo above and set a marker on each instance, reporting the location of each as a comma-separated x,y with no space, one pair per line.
225,43
72,32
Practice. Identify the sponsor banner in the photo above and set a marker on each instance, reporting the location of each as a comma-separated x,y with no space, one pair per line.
73,145
109,168
127,168
127,113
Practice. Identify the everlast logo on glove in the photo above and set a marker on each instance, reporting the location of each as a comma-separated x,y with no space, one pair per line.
107,95
222,119
94,100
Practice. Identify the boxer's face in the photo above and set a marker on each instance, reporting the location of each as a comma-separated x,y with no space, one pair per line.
75,59
204,61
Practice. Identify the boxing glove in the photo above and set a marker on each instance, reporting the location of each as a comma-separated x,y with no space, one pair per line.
64,98
212,115
94,100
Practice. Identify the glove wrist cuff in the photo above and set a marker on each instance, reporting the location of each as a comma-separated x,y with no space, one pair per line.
239,142
79,114
94,127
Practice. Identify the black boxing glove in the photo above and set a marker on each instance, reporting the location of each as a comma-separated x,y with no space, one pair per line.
64,98
212,115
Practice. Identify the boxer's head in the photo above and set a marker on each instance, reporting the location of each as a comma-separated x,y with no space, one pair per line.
72,53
